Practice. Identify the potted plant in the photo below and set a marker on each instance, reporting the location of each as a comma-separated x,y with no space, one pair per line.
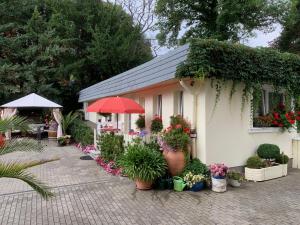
143,165
268,164
61,141
140,122
235,178
174,141
218,173
195,182
156,124
285,119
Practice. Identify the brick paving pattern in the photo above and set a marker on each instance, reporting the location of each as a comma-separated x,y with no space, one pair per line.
85,194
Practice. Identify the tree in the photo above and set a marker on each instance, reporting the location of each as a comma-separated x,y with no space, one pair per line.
56,48
17,170
219,19
289,39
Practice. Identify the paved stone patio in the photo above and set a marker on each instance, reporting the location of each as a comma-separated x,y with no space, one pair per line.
85,194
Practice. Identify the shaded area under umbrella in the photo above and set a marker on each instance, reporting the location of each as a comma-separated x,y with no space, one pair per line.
116,105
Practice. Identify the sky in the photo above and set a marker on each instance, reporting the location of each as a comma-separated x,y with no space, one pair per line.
261,39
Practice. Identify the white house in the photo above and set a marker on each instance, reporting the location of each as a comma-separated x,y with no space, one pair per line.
225,133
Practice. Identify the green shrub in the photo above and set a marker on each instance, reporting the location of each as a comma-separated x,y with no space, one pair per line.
140,122
235,175
67,122
140,162
81,132
268,151
196,167
111,145
156,125
282,159
255,162
153,145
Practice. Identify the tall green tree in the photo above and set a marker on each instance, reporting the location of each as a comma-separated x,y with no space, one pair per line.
220,19
57,47
289,39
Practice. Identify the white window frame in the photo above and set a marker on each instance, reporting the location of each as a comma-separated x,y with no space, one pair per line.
159,105
266,89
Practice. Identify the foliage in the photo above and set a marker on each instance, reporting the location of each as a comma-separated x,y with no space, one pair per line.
55,48
67,121
62,141
153,145
222,20
192,179
218,170
255,162
222,62
140,122
282,158
289,37
111,146
156,124
178,119
234,175
15,122
263,121
81,132
196,167
268,151
285,119
140,162
176,138
17,170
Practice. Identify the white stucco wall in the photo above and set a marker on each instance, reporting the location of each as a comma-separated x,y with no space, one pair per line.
228,137
223,133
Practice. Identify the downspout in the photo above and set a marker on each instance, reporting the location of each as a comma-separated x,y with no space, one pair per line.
193,87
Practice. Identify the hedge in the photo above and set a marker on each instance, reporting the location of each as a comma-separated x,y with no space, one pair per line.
254,67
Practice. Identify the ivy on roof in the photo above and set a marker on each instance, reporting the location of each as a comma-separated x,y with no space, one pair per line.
254,67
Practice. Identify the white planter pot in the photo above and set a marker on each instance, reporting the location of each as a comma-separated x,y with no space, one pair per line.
266,173
234,183
218,185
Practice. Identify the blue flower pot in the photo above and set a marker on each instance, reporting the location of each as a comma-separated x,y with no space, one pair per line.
198,186
219,177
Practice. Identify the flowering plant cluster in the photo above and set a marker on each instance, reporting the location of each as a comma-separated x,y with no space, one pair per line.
175,138
283,118
191,179
140,122
218,170
109,166
85,149
156,124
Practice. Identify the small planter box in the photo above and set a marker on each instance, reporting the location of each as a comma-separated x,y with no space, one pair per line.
266,173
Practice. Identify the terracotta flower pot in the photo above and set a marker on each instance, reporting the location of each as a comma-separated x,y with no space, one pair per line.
175,161
143,185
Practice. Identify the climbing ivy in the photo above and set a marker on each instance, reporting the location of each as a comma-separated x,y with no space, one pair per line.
252,67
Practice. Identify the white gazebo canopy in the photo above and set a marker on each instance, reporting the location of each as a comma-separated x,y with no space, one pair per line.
31,101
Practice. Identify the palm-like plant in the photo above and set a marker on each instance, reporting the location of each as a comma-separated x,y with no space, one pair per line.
68,120
17,169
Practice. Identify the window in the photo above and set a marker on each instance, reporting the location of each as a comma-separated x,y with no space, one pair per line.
269,101
178,103
159,106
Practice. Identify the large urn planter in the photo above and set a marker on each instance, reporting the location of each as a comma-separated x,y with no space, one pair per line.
52,134
143,185
267,173
175,161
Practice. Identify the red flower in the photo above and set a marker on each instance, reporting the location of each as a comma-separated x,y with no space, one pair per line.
281,125
276,115
178,126
281,106
186,130
297,118
287,115
275,122
292,121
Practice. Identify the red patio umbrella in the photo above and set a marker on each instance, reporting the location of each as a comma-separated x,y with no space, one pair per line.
115,105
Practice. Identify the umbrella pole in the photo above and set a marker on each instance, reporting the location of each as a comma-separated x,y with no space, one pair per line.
117,121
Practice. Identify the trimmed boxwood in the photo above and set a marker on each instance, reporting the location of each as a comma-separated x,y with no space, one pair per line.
268,151
255,162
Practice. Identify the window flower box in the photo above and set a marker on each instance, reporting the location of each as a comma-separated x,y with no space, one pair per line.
267,173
